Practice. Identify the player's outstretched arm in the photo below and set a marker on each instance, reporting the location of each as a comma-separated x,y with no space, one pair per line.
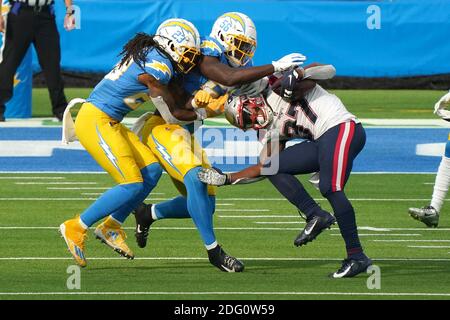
214,70
215,177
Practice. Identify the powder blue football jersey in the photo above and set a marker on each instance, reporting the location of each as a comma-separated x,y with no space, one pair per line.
121,92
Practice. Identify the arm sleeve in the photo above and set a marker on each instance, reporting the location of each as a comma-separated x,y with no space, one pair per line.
320,72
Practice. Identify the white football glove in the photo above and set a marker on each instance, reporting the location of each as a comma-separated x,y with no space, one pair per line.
213,176
440,107
288,62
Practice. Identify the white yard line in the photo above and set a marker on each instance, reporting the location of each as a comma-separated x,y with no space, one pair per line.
374,229
68,257
279,222
242,210
102,172
32,178
57,183
275,222
430,247
223,293
220,199
159,228
408,240
384,234
316,199
256,216
78,188
419,229
48,199
99,193
55,172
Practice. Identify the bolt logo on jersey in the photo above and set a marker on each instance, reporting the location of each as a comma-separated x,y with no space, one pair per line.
236,32
158,66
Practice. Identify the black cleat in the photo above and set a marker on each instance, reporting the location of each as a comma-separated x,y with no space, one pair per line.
144,220
314,226
352,267
224,262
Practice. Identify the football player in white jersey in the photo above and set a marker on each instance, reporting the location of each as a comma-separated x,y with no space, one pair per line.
297,107
430,214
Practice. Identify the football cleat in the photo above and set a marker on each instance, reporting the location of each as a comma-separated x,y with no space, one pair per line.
428,215
352,267
110,232
143,216
314,226
224,262
75,236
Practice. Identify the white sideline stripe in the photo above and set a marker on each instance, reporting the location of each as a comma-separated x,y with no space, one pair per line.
279,222
430,247
32,178
242,210
419,229
409,240
374,229
47,199
163,199
229,228
46,183
99,193
57,172
205,259
256,216
78,188
158,228
383,234
222,293
102,172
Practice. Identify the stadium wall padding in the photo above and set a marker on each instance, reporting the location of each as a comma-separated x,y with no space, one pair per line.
410,37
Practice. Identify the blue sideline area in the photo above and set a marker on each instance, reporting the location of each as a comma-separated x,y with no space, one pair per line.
387,150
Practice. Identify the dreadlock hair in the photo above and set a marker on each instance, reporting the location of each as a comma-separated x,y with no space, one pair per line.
137,49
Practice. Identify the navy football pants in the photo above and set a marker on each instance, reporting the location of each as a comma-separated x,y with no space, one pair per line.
332,154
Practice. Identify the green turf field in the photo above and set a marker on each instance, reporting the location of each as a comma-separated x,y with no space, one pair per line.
389,104
252,222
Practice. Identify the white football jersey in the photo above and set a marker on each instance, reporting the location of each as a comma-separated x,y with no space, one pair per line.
309,119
